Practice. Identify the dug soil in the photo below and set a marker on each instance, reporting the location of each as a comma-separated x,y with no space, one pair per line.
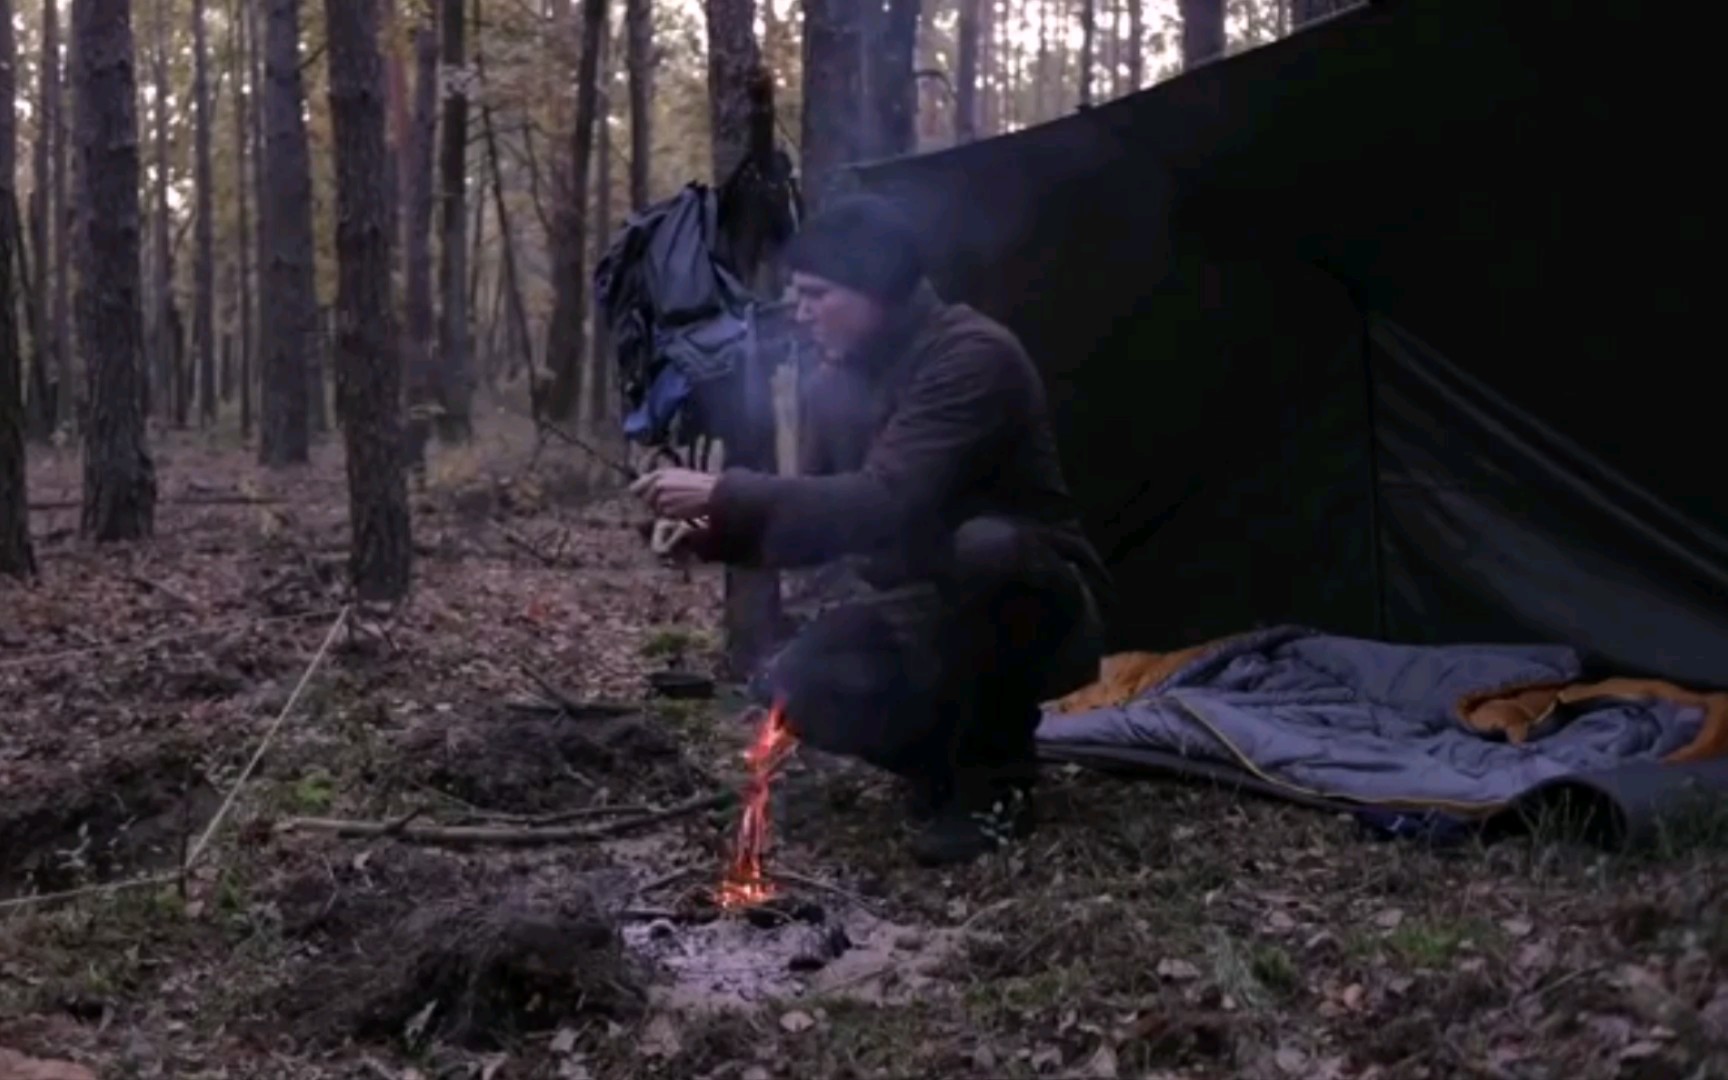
1146,929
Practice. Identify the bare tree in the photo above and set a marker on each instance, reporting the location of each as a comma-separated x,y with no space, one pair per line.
639,44
291,312
163,390
417,237
1202,30
966,74
564,341
60,298
892,45
16,557
833,92
1088,48
452,372
239,40
368,365
732,56
119,477
204,269
47,377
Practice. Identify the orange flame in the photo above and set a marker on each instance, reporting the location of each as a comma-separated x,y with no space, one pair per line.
746,883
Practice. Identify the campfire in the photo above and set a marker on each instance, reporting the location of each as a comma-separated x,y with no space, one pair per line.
746,883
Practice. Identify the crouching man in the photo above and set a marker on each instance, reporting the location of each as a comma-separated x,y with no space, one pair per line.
929,466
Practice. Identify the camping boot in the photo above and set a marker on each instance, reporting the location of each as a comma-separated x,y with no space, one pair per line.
982,818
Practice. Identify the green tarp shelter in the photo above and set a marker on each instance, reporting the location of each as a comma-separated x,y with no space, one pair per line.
1398,327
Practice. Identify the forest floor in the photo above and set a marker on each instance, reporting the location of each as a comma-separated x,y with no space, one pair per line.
1146,929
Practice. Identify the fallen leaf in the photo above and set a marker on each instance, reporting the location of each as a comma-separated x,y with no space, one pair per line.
15,1066
489,1066
1390,919
564,1041
1641,1049
1101,1065
1180,970
660,1038
984,1058
1290,1060
1352,997
796,1021
1518,928
1280,922
1047,1057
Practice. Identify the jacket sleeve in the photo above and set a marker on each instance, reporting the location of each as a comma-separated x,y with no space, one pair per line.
944,430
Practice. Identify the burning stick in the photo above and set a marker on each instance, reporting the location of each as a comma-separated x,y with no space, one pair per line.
746,883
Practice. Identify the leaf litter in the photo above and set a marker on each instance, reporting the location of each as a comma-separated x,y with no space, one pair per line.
1146,929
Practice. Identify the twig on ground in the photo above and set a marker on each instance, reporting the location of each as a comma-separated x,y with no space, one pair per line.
561,816
517,540
578,710
166,590
823,886
90,890
202,500
662,881
499,834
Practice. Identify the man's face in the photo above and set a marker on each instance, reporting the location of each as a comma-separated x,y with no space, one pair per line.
839,319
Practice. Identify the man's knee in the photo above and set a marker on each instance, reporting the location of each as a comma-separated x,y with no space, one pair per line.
991,550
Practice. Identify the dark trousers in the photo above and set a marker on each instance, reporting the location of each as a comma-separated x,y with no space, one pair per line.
943,685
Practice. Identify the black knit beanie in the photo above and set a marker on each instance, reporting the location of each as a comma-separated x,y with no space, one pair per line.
862,242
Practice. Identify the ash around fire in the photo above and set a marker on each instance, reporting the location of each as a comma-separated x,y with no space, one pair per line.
785,948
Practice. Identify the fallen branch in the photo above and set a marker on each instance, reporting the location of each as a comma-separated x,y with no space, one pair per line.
509,836
578,710
517,540
561,816
202,500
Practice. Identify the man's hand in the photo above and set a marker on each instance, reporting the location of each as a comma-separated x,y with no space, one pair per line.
682,494
678,541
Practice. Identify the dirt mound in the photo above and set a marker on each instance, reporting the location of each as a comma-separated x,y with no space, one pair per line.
524,762
126,813
413,946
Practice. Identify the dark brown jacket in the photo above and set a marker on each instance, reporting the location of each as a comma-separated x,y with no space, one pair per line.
944,419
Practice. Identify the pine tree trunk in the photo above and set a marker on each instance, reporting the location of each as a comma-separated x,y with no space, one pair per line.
237,24
260,202
564,333
453,367
518,338
368,365
69,393
46,373
417,243
16,557
1202,31
204,298
893,90
639,33
1088,36
833,93
1136,44
119,477
601,418
966,75
162,392
732,56
291,311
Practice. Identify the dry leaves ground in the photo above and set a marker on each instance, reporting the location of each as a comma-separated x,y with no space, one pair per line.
1146,930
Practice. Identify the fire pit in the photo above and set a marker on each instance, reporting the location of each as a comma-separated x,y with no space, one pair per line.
752,938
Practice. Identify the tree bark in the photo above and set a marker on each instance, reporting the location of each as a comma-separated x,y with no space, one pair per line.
1088,47
732,56
893,89
417,242
1202,31
1136,44
260,225
59,211
368,366
204,274
833,93
452,368
519,338
162,392
16,556
291,315
47,374
237,28
564,338
639,34
966,77
119,477
600,404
